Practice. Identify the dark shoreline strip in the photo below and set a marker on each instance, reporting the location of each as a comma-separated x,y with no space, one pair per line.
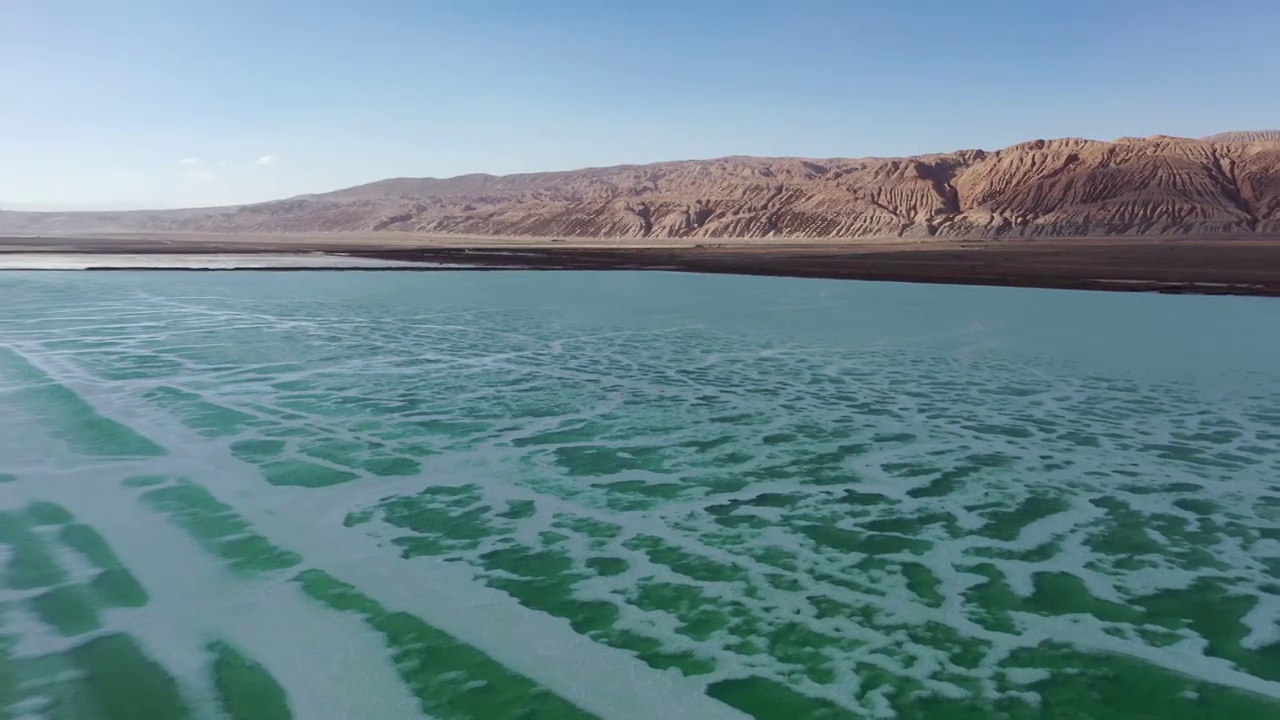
1200,268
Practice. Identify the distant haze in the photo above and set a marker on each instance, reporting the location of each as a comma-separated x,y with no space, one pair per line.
1246,136
64,207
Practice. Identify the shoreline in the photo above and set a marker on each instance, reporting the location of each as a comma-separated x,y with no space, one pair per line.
1252,271
1167,265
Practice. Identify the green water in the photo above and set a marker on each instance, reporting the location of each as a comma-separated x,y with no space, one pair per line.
615,495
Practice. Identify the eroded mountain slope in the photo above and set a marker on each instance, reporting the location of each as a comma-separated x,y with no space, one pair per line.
1068,187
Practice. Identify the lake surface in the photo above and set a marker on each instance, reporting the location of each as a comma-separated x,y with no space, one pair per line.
632,495
196,261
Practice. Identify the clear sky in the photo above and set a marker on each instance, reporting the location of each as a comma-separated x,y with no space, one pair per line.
167,103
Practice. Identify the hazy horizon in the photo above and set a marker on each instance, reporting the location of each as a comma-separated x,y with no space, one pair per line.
152,107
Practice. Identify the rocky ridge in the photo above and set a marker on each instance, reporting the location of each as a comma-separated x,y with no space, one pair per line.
1226,184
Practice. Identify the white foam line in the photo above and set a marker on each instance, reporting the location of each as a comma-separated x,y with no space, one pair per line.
1184,658
218,261
1263,623
194,600
608,682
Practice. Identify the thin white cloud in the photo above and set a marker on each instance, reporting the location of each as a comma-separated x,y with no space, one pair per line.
199,174
267,160
190,162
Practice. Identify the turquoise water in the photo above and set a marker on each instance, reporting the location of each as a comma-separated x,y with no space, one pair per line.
617,495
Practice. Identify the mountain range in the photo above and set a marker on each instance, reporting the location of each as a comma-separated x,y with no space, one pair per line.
1227,184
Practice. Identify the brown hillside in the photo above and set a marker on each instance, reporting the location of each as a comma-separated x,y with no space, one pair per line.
1246,136
1070,187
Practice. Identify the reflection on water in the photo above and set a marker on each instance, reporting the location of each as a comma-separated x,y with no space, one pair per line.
551,495
194,261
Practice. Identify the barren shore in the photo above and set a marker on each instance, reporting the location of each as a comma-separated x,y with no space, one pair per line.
1224,266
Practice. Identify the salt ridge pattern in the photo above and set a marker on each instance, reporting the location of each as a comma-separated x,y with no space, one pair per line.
631,495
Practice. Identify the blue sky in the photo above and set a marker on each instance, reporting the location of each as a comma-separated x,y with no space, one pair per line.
103,101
